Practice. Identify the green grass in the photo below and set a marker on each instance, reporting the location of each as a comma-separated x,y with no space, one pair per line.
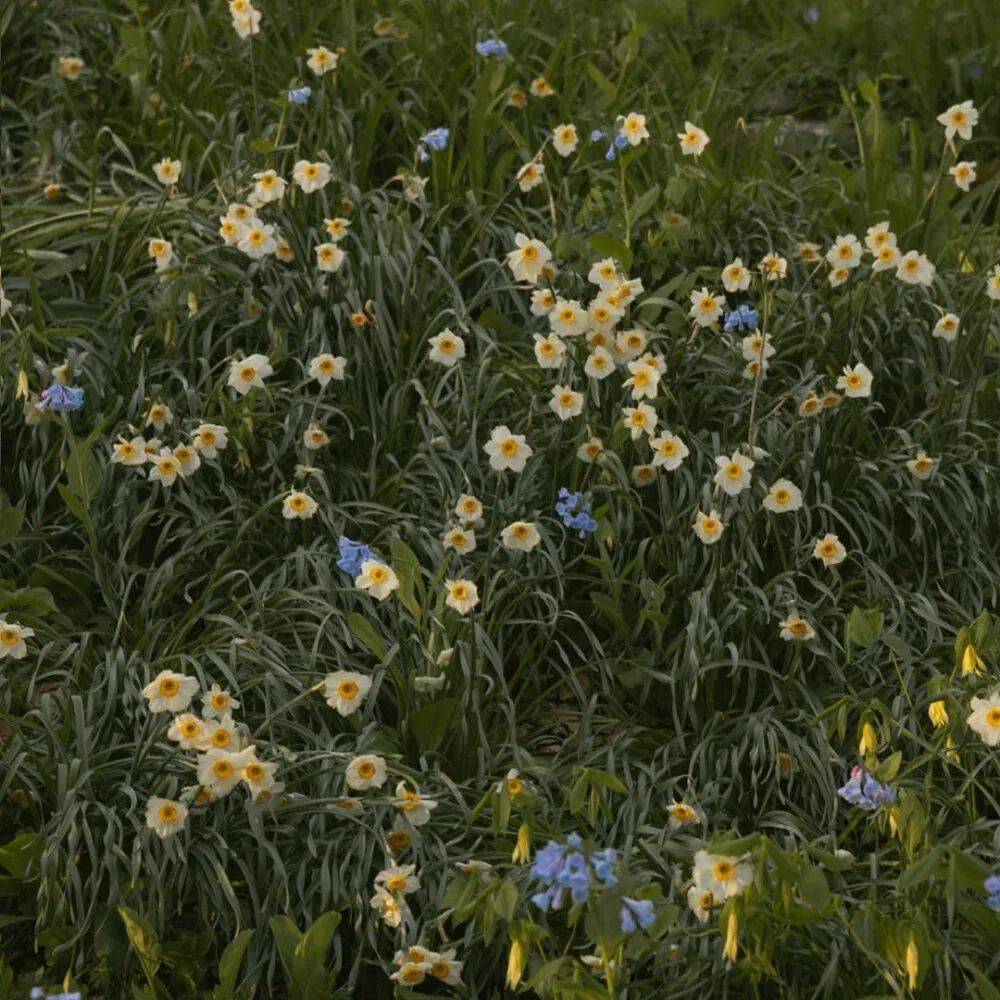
616,673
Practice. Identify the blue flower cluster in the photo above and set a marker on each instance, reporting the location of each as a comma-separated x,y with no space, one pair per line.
492,47
436,139
300,96
620,141
636,913
565,868
63,398
352,555
864,791
575,512
38,993
992,887
743,318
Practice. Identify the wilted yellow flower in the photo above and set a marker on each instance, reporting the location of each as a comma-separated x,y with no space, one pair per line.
912,963
731,947
938,714
869,740
972,662
522,850
516,961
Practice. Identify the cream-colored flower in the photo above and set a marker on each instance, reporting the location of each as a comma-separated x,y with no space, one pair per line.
220,771
315,437
165,468
167,171
985,718
377,578
469,509
414,806
522,536
947,327
693,140
735,277
549,351
210,439
640,419
165,817
326,368
446,349
794,628
345,690
708,527
321,60
329,257
268,187
565,139
845,253
772,267
507,450
644,381
669,451
530,175
830,550
249,373
566,402
366,771
856,382
311,176
721,875
915,269
12,636
336,228
600,363
964,173
298,505
590,450
706,308
170,692
960,118
528,258
733,475
129,452
462,595
633,127
462,540
217,702
923,466
784,496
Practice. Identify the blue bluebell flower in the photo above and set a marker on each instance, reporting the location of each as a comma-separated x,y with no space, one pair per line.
636,913
603,863
492,47
352,555
864,791
575,512
62,398
300,96
992,887
810,15
598,134
743,318
436,140
569,868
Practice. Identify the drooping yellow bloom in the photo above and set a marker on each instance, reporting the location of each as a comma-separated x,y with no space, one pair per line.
522,849
972,662
938,713
731,947
516,961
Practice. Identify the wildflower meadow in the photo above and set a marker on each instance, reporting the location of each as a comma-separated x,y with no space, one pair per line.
499,499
